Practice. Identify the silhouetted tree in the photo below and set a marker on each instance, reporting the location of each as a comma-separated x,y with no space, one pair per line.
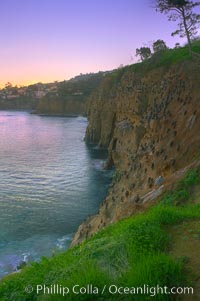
8,85
159,45
177,45
181,10
143,52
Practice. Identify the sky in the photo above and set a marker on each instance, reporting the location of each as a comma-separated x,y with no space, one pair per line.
54,40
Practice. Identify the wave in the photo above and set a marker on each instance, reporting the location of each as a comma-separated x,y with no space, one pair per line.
20,254
64,242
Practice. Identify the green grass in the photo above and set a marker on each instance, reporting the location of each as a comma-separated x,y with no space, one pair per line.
130,253
168,57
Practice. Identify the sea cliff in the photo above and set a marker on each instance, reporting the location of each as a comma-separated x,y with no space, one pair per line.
148,117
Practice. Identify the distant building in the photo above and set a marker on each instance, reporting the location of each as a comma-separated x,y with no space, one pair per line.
53,88
21,91
78,93
40,94
12,96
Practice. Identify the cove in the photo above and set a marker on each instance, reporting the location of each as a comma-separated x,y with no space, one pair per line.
50,181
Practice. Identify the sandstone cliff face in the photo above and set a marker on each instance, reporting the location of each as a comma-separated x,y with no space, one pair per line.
150,123
57,106
21,103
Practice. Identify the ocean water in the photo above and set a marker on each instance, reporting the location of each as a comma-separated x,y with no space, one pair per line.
50,181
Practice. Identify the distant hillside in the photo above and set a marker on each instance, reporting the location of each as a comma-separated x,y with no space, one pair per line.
58,98
71,96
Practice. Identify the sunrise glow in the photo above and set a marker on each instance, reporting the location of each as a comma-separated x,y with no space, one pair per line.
48,41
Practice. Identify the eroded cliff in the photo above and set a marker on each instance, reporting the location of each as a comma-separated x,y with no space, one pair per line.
149,119
60,106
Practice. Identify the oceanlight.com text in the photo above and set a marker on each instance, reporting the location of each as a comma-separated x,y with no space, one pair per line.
89,289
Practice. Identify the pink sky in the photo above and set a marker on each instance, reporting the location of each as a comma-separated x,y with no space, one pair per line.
45,41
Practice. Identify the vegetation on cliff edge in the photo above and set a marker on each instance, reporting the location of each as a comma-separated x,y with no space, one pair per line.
130,253
161,59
